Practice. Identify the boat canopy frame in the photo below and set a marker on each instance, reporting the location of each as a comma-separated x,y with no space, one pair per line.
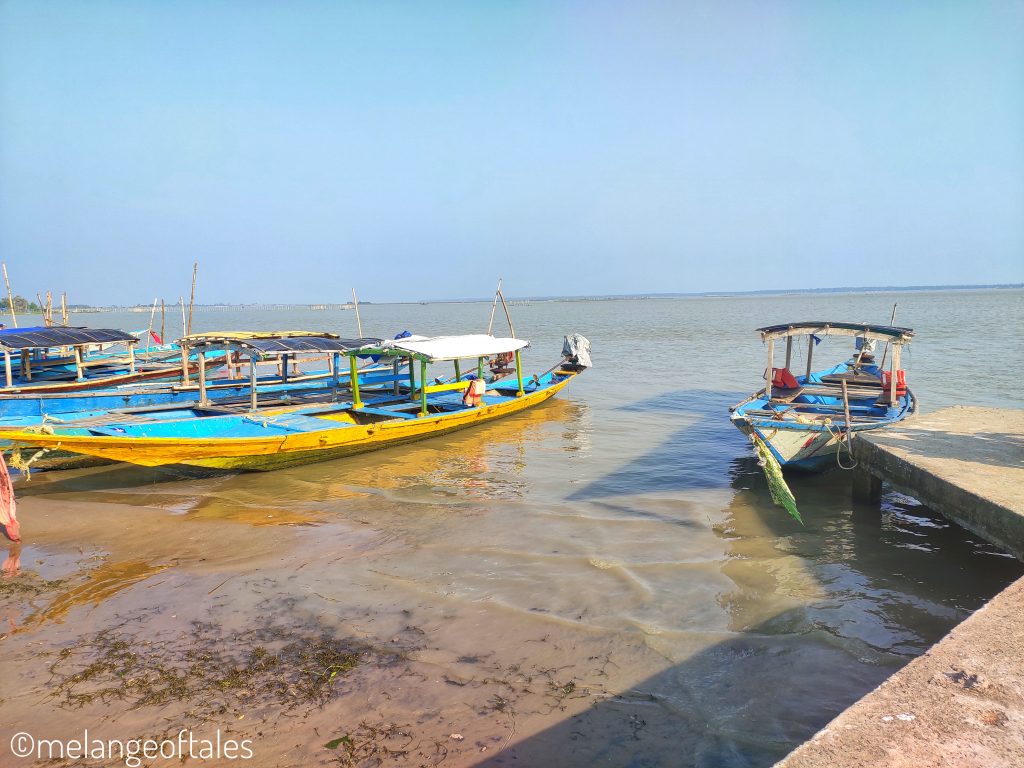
446,349
77,338
887,333
259,346
894,335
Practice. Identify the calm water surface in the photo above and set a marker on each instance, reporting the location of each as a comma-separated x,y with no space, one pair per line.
616,551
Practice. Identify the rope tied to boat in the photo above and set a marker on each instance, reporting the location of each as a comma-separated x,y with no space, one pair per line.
839,434
24,466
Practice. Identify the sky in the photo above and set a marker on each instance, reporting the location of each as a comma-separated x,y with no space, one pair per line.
421,150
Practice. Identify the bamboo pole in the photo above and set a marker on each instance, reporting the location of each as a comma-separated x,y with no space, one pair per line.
519,373
507,315
203,400
359,323
494,306
423,387
354,382
64,308
184,328
252,381
152,317
10,298
192,299
163,318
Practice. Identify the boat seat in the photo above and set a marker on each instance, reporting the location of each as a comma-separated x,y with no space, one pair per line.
858,379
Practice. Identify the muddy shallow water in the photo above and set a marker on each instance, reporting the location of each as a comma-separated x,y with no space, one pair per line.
602,580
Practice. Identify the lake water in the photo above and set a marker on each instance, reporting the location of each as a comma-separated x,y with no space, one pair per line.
602,580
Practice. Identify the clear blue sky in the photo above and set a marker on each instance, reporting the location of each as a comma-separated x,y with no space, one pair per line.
420,150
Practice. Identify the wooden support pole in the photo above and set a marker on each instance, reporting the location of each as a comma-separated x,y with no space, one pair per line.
192,299
768,370
480,368
64,308
284,367
458,372
354,382
359,322
131,357
26,364
423,387
507,315
7,366
789,351
163,318
203,400
252,381
10,299
896,354
412,379
494,306
336,372
184,365
394,368
810,354
519,373
80,373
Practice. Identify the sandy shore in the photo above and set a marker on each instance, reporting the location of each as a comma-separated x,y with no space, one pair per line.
136,621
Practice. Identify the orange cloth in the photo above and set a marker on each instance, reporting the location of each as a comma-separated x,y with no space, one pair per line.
8,517
474,393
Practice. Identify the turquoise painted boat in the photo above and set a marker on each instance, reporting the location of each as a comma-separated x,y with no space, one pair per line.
807,419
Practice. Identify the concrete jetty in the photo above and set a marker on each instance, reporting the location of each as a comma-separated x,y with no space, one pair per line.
961,704
965,463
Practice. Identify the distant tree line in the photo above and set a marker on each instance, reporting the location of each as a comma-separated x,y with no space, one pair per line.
20,305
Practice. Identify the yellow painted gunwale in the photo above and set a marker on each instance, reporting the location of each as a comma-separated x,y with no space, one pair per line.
262,453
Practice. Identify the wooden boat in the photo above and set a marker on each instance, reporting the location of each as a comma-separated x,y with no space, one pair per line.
384,409
30,406
806,420
43,366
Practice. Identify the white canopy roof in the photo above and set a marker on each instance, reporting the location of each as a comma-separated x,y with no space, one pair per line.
455,347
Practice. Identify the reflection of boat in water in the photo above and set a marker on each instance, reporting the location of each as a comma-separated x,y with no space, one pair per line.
804,419
255,438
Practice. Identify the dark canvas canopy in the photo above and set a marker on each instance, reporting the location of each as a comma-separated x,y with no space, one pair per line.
307,344
275,343
60,336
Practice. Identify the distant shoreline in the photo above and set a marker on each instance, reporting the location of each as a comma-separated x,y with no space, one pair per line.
343,306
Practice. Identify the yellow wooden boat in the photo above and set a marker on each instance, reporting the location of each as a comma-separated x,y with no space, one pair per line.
402,408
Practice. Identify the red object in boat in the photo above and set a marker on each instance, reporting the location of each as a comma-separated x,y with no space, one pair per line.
901,382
